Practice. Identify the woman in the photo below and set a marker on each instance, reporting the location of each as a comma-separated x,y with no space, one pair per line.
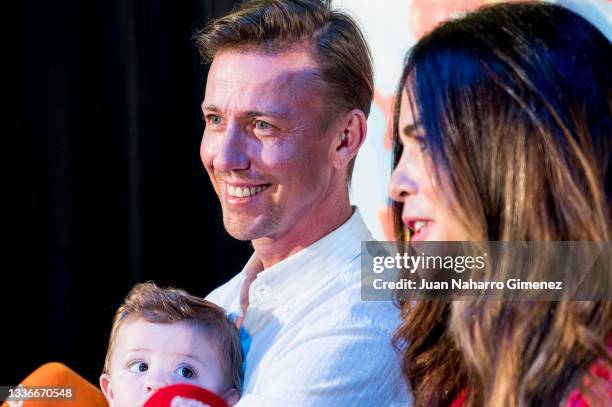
503,132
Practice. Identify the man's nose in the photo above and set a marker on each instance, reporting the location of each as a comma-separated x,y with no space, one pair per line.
232,154
401,185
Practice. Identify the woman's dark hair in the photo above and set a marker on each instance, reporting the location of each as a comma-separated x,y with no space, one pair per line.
515,102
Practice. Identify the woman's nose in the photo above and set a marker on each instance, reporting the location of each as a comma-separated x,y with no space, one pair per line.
401,185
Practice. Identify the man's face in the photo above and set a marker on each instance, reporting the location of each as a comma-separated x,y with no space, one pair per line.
265,146
148,356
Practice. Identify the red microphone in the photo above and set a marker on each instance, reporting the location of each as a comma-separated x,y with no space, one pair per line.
184,395
58,386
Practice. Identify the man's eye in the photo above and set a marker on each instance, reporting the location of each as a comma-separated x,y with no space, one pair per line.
138,367
261,125
185,372
213,119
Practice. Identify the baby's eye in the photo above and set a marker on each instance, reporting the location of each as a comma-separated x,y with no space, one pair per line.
138,367
185,372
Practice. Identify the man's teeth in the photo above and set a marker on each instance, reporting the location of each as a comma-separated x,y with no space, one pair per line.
241,192
418,225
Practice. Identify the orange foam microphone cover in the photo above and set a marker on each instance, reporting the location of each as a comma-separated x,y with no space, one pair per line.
56,375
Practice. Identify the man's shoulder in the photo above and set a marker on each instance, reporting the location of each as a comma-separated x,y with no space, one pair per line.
343,346
350,309
227,295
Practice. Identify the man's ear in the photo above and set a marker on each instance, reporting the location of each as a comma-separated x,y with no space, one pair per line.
231,396
106,387
353,128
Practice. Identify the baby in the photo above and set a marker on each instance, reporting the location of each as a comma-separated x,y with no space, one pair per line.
167,336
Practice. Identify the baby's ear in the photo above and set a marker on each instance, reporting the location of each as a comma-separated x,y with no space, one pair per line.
106,387
231,396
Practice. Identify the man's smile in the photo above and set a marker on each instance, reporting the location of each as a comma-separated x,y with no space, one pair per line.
243,191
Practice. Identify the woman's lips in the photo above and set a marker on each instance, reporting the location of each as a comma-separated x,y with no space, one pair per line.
418,227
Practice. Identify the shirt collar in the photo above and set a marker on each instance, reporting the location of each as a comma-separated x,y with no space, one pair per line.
310,269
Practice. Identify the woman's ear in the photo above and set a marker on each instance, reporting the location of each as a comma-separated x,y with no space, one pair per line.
353,129
231,396
106,387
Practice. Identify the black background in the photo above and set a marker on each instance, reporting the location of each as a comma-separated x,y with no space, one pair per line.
105,184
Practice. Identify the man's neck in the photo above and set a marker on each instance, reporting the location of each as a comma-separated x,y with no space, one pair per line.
274,250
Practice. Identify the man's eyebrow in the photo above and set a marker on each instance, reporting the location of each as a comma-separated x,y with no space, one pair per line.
272,113
210,108
249,113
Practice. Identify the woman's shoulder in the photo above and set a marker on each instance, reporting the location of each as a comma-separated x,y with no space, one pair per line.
595,386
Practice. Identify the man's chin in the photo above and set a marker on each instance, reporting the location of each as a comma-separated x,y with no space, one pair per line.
240,232
243,227
245,237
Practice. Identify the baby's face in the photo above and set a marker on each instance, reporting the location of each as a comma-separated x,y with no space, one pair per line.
148,356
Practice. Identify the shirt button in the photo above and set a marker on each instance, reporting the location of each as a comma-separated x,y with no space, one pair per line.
260,292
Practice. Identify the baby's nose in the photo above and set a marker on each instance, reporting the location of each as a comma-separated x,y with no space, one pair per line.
155,383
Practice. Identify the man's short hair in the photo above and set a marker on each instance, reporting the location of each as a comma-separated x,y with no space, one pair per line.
333,37
157,305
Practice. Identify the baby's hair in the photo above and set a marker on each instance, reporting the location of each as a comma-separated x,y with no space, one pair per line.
158,305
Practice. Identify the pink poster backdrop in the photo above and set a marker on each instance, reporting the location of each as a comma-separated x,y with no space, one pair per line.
391,28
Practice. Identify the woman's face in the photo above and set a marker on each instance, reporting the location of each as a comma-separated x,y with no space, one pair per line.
426,211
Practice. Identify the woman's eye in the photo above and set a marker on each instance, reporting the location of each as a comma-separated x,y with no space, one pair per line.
422,142
138,367
185,372
261,125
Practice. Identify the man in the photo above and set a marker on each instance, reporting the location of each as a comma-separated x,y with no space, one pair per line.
287,96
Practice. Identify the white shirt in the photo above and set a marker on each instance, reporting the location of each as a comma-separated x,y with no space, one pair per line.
314,342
